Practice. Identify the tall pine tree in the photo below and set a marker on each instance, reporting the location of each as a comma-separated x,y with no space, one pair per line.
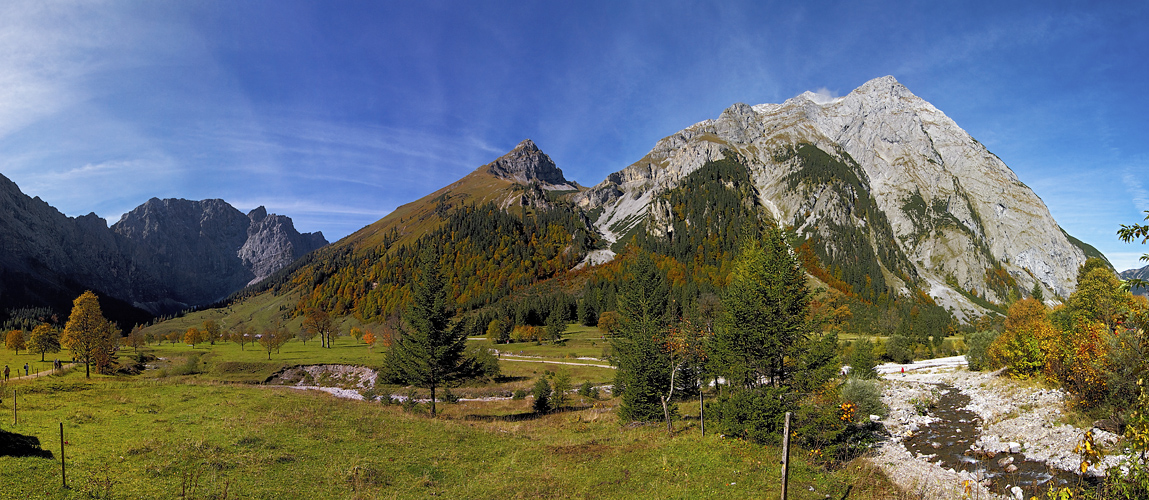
764,315
428,353
642,360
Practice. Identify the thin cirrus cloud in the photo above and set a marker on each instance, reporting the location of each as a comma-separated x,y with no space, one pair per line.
1137,189
334,114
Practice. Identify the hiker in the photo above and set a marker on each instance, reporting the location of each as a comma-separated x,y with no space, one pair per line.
903,371
5,373
25,369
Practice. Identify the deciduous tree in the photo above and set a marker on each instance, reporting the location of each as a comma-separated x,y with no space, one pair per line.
608,322
1132,233
136,338
318,322
44,339
273,338
211,331
87,333
105,352
14,341
192,336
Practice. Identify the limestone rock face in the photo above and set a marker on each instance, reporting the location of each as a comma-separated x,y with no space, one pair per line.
205,250
163,256
526,164
272,243
952,212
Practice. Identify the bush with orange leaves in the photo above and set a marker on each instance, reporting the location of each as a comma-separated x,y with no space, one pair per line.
1028,340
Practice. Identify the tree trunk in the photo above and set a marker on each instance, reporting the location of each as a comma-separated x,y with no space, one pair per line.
432,400
666,414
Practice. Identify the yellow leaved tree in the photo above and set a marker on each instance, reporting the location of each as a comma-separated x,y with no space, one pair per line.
87,333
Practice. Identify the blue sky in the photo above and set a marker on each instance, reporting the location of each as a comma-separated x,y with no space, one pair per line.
336,112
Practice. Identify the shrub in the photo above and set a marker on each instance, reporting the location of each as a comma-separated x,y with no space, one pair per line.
866,395
978,356
527,334
900,349
518,394
449,397
754,414
484,361
542,392
588,390
561,387
862,360
830,434
368,393
411,404
1020,350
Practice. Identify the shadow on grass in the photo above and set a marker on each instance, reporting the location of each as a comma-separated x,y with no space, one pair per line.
19,445
520,417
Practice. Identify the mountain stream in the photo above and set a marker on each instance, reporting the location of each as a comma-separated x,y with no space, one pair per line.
951,441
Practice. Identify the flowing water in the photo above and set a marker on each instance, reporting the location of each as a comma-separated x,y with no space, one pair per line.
949,439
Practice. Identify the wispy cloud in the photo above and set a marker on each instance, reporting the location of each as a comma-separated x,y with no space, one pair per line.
1136,189
824,95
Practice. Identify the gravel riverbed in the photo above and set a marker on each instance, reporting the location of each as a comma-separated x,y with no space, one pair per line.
1013,414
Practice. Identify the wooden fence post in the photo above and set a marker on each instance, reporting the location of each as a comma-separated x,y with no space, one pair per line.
701,412
63,469
786,456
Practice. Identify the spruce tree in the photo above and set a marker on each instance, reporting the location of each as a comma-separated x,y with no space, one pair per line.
642,361
764,316
428,353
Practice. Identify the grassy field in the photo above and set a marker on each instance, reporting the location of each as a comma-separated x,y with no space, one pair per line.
199,425
166,438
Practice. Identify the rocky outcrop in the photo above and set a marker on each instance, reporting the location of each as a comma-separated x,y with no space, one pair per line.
205,250
948,214
272,243
526,164
163,256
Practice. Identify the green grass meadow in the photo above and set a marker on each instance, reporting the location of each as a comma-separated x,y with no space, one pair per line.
199,425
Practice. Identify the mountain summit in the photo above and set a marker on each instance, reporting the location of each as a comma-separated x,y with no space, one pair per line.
525,164
879,174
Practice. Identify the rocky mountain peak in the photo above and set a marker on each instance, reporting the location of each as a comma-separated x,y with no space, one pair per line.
257,214
951,215
525,164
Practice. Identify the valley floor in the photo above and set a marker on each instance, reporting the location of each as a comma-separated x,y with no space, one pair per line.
138,437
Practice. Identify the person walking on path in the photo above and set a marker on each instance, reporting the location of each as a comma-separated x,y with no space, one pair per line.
25,369
5,373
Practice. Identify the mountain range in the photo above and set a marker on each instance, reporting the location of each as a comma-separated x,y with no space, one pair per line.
888,195
162,257
881,193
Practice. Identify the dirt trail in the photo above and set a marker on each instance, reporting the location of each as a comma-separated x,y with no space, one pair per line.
65,369
506,357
